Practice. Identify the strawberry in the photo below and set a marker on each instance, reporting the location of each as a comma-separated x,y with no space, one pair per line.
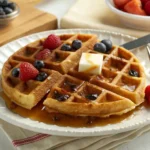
147,8
52,42
147,92
27,71
43,54
144,1
120,3
148,100
134,7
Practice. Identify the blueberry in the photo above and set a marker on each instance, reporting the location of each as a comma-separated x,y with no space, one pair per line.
41,76
39,64
8,10
2,11
100,47
1,2
108,44
76,44
60,97
12,5
133,73
4,3
92,96
15,72
66,47
73,87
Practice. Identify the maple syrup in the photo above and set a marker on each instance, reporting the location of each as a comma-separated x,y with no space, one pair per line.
70,87
93,66
39,113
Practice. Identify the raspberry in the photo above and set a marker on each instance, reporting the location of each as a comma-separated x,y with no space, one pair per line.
52,42
43,54
147,93
27,71
147,8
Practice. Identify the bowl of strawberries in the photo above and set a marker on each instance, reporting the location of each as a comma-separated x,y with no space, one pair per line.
132,13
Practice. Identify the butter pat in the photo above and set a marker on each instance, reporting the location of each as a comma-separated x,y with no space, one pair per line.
91,63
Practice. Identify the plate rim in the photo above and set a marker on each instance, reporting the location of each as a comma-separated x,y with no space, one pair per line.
69,131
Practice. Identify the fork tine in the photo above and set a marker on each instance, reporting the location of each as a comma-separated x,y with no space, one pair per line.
148,51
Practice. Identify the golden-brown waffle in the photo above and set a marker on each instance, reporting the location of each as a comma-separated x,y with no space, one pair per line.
28,94
114,91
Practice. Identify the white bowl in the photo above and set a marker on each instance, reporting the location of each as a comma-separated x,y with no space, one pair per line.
130,20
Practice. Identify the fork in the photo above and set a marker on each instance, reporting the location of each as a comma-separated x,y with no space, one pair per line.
148,50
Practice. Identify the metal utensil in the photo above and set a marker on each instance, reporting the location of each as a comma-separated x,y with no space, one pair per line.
137,43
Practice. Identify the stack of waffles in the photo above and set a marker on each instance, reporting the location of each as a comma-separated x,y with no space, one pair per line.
68,91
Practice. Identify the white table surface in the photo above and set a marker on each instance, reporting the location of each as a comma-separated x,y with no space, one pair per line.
59,8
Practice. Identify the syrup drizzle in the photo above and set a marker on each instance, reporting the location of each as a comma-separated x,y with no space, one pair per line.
93,66
39,113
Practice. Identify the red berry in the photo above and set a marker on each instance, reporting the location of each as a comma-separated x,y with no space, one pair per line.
144,1
43,54
147,8
134,7
147,92
52,42
148,99
120,3
27,71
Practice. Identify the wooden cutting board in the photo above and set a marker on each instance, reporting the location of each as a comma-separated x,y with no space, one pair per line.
29,21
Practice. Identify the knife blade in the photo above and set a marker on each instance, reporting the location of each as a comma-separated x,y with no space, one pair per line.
137,43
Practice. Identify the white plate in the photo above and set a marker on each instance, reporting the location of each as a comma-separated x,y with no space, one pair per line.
142,117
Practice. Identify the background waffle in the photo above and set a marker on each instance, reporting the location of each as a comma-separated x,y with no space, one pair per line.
116,92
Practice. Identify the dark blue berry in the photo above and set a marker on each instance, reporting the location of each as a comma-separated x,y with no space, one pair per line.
4,3
66,47
92,96
108,44
60,97
39,64
8,10
15,72
133,73
2,11
100,47
41,76
12,5
76,44
73,87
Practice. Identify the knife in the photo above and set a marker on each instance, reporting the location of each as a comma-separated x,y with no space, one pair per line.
137,43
